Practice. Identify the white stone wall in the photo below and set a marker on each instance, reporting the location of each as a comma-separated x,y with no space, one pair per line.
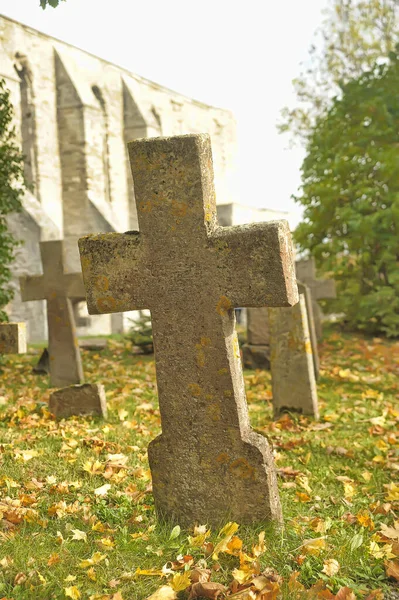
85,110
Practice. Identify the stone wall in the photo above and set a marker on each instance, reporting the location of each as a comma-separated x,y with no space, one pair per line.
74,113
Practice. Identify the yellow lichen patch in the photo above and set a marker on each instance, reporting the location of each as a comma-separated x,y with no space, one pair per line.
106,305
200,356
227,393
223,306
205,341
223,371
85,262
145,207
194,389
213,411
236,346
308,347
179,209
241,468
101,283
223,458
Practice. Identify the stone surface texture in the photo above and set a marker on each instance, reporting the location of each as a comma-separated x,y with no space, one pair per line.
57,287
208,465
76,400
293,376
74,113
12,338
320,289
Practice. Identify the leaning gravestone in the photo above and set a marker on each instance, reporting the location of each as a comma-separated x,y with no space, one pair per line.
12,338
208,465
291,362
57,287
256,352
320,289
86,399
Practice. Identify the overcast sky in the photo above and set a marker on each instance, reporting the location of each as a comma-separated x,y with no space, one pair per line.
240,55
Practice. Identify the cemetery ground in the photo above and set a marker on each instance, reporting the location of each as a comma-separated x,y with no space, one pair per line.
77,512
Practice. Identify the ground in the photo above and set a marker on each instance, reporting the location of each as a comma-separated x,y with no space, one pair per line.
77,511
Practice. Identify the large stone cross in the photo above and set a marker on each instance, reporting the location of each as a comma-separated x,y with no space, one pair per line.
12,338
57,287
320,289
208,466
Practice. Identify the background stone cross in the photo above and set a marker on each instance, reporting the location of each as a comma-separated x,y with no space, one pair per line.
320,289
57,287
208,465
12,338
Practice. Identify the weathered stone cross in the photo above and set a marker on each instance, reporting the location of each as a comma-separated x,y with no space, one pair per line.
12,338
208,465
320,289
57,287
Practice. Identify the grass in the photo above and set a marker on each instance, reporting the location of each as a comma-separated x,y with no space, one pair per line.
338,482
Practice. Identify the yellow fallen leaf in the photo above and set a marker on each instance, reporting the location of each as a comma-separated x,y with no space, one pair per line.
393,491
331,567
381,551
165,592
303,481
349,490
227,533
260,547
122,414
91,574
314,546
72,592
391,532
79,535
149,572
102,490
94,560
181,581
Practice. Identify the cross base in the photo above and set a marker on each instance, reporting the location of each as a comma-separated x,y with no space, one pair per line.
232,478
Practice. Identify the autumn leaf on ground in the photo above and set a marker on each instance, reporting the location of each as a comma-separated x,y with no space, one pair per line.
331,567
94,560
165,592
72,592
391,532
199,537
181,581
210,590
392,569
102,490
314,546
226,533
79,535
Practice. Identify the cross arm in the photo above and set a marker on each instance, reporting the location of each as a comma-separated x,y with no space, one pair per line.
31,287
115,272
73,285
256,264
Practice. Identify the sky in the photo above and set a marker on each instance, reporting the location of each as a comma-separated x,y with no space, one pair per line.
240,55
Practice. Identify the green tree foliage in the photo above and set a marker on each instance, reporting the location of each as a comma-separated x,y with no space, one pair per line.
350,195
53,3
353,36
12,189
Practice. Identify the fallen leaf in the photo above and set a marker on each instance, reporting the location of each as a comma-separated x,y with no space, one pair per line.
392,569
181,581
102,490
391,532
79,535
165,592
331,567
72,592
314,546
207,590
345,593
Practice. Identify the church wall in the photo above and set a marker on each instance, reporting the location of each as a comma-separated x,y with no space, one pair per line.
84,110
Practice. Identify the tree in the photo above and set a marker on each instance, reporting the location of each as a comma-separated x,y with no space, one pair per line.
53,3
12,188
353,36
350,195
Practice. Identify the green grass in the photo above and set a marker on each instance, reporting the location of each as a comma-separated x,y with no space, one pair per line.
356,438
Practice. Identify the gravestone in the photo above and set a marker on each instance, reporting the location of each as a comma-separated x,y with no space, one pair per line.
291,361
320,289
12,338
208,465
86,399
256,352
57,287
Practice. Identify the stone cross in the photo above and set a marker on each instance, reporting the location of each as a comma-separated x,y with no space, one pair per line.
291,361
208,465
320,289
256,352
12,338
57,287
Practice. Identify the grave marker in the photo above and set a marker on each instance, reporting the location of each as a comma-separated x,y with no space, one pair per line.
320,289
57,287
86,399
12,338
208,465
291,361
